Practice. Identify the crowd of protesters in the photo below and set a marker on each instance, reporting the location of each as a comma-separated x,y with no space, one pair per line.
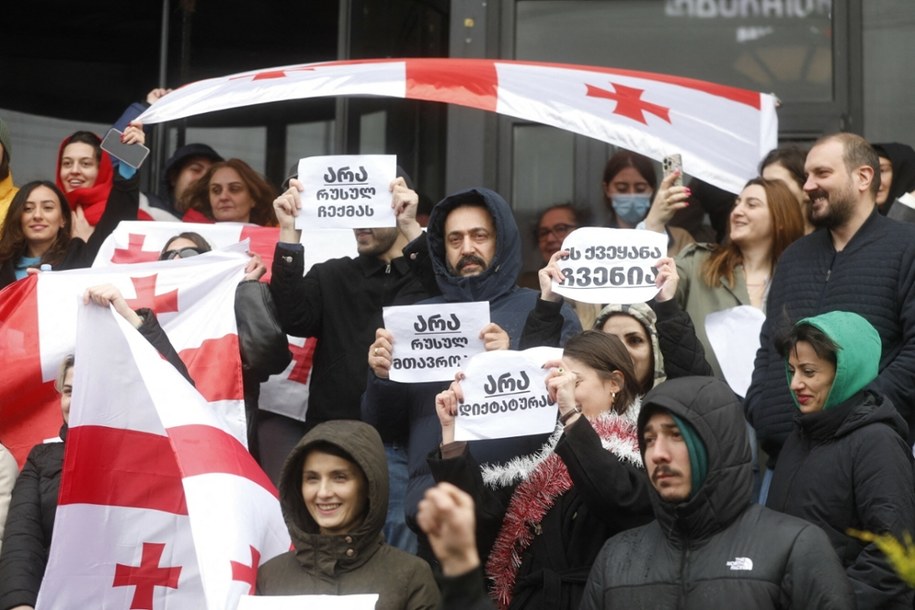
660,486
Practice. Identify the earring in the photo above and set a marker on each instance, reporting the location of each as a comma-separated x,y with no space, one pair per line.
612,398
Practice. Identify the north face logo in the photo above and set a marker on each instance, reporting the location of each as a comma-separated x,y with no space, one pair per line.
741,563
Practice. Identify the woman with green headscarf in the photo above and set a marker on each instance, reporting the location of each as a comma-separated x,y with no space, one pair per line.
846,464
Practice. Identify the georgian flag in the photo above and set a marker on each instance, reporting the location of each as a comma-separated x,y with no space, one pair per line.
722,132
194,299
160,505
285,393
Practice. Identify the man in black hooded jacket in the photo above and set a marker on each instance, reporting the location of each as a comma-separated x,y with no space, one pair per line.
475,259
710,547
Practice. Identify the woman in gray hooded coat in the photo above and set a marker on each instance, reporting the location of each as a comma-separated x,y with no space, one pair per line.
334,494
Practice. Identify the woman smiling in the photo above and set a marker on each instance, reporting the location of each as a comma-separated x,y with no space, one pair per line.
846,464
334,494
765,220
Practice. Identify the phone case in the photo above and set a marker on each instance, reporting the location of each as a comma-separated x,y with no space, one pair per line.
672,163
131,154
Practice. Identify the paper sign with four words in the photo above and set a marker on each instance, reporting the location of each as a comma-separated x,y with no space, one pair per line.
432,342
505,395
611,265
346,192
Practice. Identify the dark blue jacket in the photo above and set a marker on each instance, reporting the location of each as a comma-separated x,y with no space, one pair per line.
406,412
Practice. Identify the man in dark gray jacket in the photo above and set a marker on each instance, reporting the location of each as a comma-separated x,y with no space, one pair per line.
710,547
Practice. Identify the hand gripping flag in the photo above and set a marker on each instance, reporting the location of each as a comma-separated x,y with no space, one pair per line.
722,132
160,506
194,299
285,393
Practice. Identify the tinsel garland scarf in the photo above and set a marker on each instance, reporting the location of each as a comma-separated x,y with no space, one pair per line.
545,478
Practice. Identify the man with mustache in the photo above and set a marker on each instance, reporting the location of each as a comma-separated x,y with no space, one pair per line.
858,261
710,547
474,247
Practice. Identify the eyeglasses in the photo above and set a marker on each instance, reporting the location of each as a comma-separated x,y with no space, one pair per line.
560,231
169,255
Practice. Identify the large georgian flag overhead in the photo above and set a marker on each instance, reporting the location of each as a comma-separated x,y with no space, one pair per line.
722,132
160,505
194,299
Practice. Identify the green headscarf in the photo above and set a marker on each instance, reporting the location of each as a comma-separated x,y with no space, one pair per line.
857,356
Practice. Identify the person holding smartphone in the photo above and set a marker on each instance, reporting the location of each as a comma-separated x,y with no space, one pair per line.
41,224
635,201
86,176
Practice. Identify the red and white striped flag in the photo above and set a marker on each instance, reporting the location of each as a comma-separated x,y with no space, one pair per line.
160,505
194,299
721,132
285,393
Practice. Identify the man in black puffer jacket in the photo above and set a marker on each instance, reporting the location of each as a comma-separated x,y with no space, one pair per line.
710,547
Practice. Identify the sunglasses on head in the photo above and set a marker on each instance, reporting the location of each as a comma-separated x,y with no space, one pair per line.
182,253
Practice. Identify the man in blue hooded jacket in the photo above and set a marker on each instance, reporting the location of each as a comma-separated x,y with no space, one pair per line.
474,248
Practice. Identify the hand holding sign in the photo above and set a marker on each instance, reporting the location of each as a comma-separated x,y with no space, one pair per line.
668,279
550,275
380,353
405,203
610,265
431,342
347,191
446,407
502,394
560,386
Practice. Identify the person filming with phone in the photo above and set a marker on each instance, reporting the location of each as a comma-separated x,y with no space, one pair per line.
629,184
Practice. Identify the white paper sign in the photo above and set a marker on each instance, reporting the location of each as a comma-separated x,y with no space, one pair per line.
734,336
505,395
365,601
433,342
611,265
347,191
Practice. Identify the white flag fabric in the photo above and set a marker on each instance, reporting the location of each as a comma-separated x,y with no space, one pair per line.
194,299
131,242
721,132
160,505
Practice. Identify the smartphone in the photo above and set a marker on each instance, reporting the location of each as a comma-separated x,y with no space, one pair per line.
672,163
131,154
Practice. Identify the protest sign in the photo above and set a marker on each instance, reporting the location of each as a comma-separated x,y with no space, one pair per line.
505,395
347,191
432,342
611,265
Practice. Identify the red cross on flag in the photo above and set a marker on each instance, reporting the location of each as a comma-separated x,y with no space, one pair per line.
285,393
721,132
160,505
194,299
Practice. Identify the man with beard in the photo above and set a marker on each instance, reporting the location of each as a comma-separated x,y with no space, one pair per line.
857,261
474,247
339,301
710,546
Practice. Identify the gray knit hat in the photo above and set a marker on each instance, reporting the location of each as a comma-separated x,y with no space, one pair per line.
5,138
